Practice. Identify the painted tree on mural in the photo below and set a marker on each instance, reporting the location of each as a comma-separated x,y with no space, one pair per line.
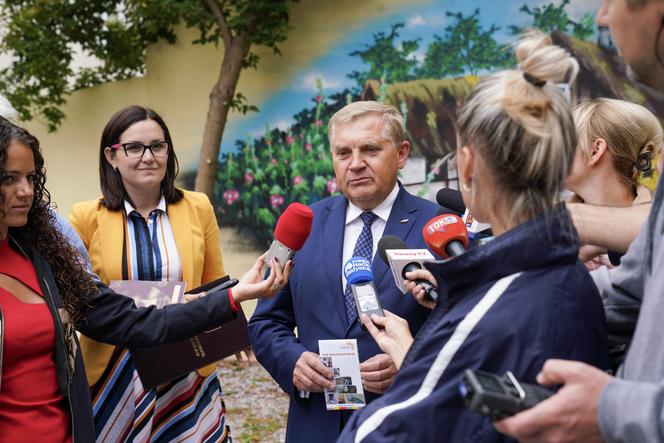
386,59
43,37
552,17
465,48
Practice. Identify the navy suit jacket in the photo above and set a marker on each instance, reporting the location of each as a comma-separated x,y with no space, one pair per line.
313,301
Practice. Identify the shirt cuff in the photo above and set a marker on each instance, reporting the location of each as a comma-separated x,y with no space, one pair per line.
234,307
629,411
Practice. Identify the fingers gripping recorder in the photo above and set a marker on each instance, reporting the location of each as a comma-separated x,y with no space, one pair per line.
446,235
292,230
499,397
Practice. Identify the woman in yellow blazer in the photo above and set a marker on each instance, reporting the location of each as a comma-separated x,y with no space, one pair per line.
144,228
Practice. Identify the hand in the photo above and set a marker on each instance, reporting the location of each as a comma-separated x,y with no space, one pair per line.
192,297
589,252
417,290
394,336
312,375
377,373
252,285
593,264
248,358
570,415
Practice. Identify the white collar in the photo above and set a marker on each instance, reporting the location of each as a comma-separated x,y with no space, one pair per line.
382,210
161,206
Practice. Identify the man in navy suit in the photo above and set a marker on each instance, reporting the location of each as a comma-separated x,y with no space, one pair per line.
368,149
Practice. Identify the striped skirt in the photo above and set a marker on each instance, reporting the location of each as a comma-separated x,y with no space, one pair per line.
187,409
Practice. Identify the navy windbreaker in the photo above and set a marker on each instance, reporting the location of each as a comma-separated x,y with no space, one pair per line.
547,307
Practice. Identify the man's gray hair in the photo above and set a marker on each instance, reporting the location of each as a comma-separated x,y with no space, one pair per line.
392,119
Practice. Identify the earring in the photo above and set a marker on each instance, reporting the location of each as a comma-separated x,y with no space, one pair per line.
115,169
465,187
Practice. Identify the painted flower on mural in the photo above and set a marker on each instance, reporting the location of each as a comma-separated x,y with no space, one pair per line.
231,195
279,168
332,186
276,200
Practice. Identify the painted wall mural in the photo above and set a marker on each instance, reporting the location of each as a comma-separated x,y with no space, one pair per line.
422,61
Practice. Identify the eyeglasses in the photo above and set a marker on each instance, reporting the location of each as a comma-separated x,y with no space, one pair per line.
137,150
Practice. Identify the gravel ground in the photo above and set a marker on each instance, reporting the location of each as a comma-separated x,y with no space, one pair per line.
257,408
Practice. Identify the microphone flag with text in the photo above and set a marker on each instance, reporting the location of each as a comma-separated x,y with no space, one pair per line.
292,230
401,259
446,235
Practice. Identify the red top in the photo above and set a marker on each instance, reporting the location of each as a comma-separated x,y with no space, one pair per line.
31,406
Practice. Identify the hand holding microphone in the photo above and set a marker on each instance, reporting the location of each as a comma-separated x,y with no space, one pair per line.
402,260
292,230
252,285
445,235
391,333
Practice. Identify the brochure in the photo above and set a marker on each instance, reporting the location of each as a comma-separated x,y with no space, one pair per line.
342,357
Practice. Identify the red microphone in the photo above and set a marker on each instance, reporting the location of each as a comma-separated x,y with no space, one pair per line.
446,235
292,230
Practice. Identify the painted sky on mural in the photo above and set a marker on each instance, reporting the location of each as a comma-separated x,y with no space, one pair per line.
422,22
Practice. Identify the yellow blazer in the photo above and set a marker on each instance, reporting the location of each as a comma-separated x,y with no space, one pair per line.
197,238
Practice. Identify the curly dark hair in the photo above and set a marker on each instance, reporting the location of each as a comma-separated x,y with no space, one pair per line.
68,267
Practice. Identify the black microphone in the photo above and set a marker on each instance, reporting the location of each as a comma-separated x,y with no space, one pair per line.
451,201
393,242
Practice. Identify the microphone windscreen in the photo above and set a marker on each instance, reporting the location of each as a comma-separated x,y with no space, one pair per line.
358,270
451,199
389,242
294,225
441,230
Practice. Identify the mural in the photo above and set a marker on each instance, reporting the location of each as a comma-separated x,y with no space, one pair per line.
423,62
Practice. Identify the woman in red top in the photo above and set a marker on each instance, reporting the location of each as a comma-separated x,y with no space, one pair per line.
45,292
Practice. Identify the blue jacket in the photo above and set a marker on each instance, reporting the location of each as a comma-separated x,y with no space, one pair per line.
547,307
313,302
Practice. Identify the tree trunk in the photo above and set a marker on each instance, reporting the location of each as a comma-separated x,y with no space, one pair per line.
221,98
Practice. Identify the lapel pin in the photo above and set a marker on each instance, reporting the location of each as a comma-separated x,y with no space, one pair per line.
404,220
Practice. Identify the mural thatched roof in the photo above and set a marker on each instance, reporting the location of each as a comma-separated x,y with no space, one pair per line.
431,105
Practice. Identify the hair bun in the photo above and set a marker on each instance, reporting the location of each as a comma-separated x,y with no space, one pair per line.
539,58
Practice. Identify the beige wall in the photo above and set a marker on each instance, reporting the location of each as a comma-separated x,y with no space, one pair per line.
177,83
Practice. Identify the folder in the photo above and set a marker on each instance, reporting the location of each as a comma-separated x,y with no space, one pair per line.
160,364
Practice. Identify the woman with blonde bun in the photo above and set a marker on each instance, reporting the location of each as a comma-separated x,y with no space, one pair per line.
616,144
515,302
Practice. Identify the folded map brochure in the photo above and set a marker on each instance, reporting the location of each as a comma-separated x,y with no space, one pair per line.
342,358
160,364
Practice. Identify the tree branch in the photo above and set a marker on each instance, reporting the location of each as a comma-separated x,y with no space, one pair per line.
221,21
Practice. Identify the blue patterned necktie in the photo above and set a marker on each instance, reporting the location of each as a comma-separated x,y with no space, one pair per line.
363,248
